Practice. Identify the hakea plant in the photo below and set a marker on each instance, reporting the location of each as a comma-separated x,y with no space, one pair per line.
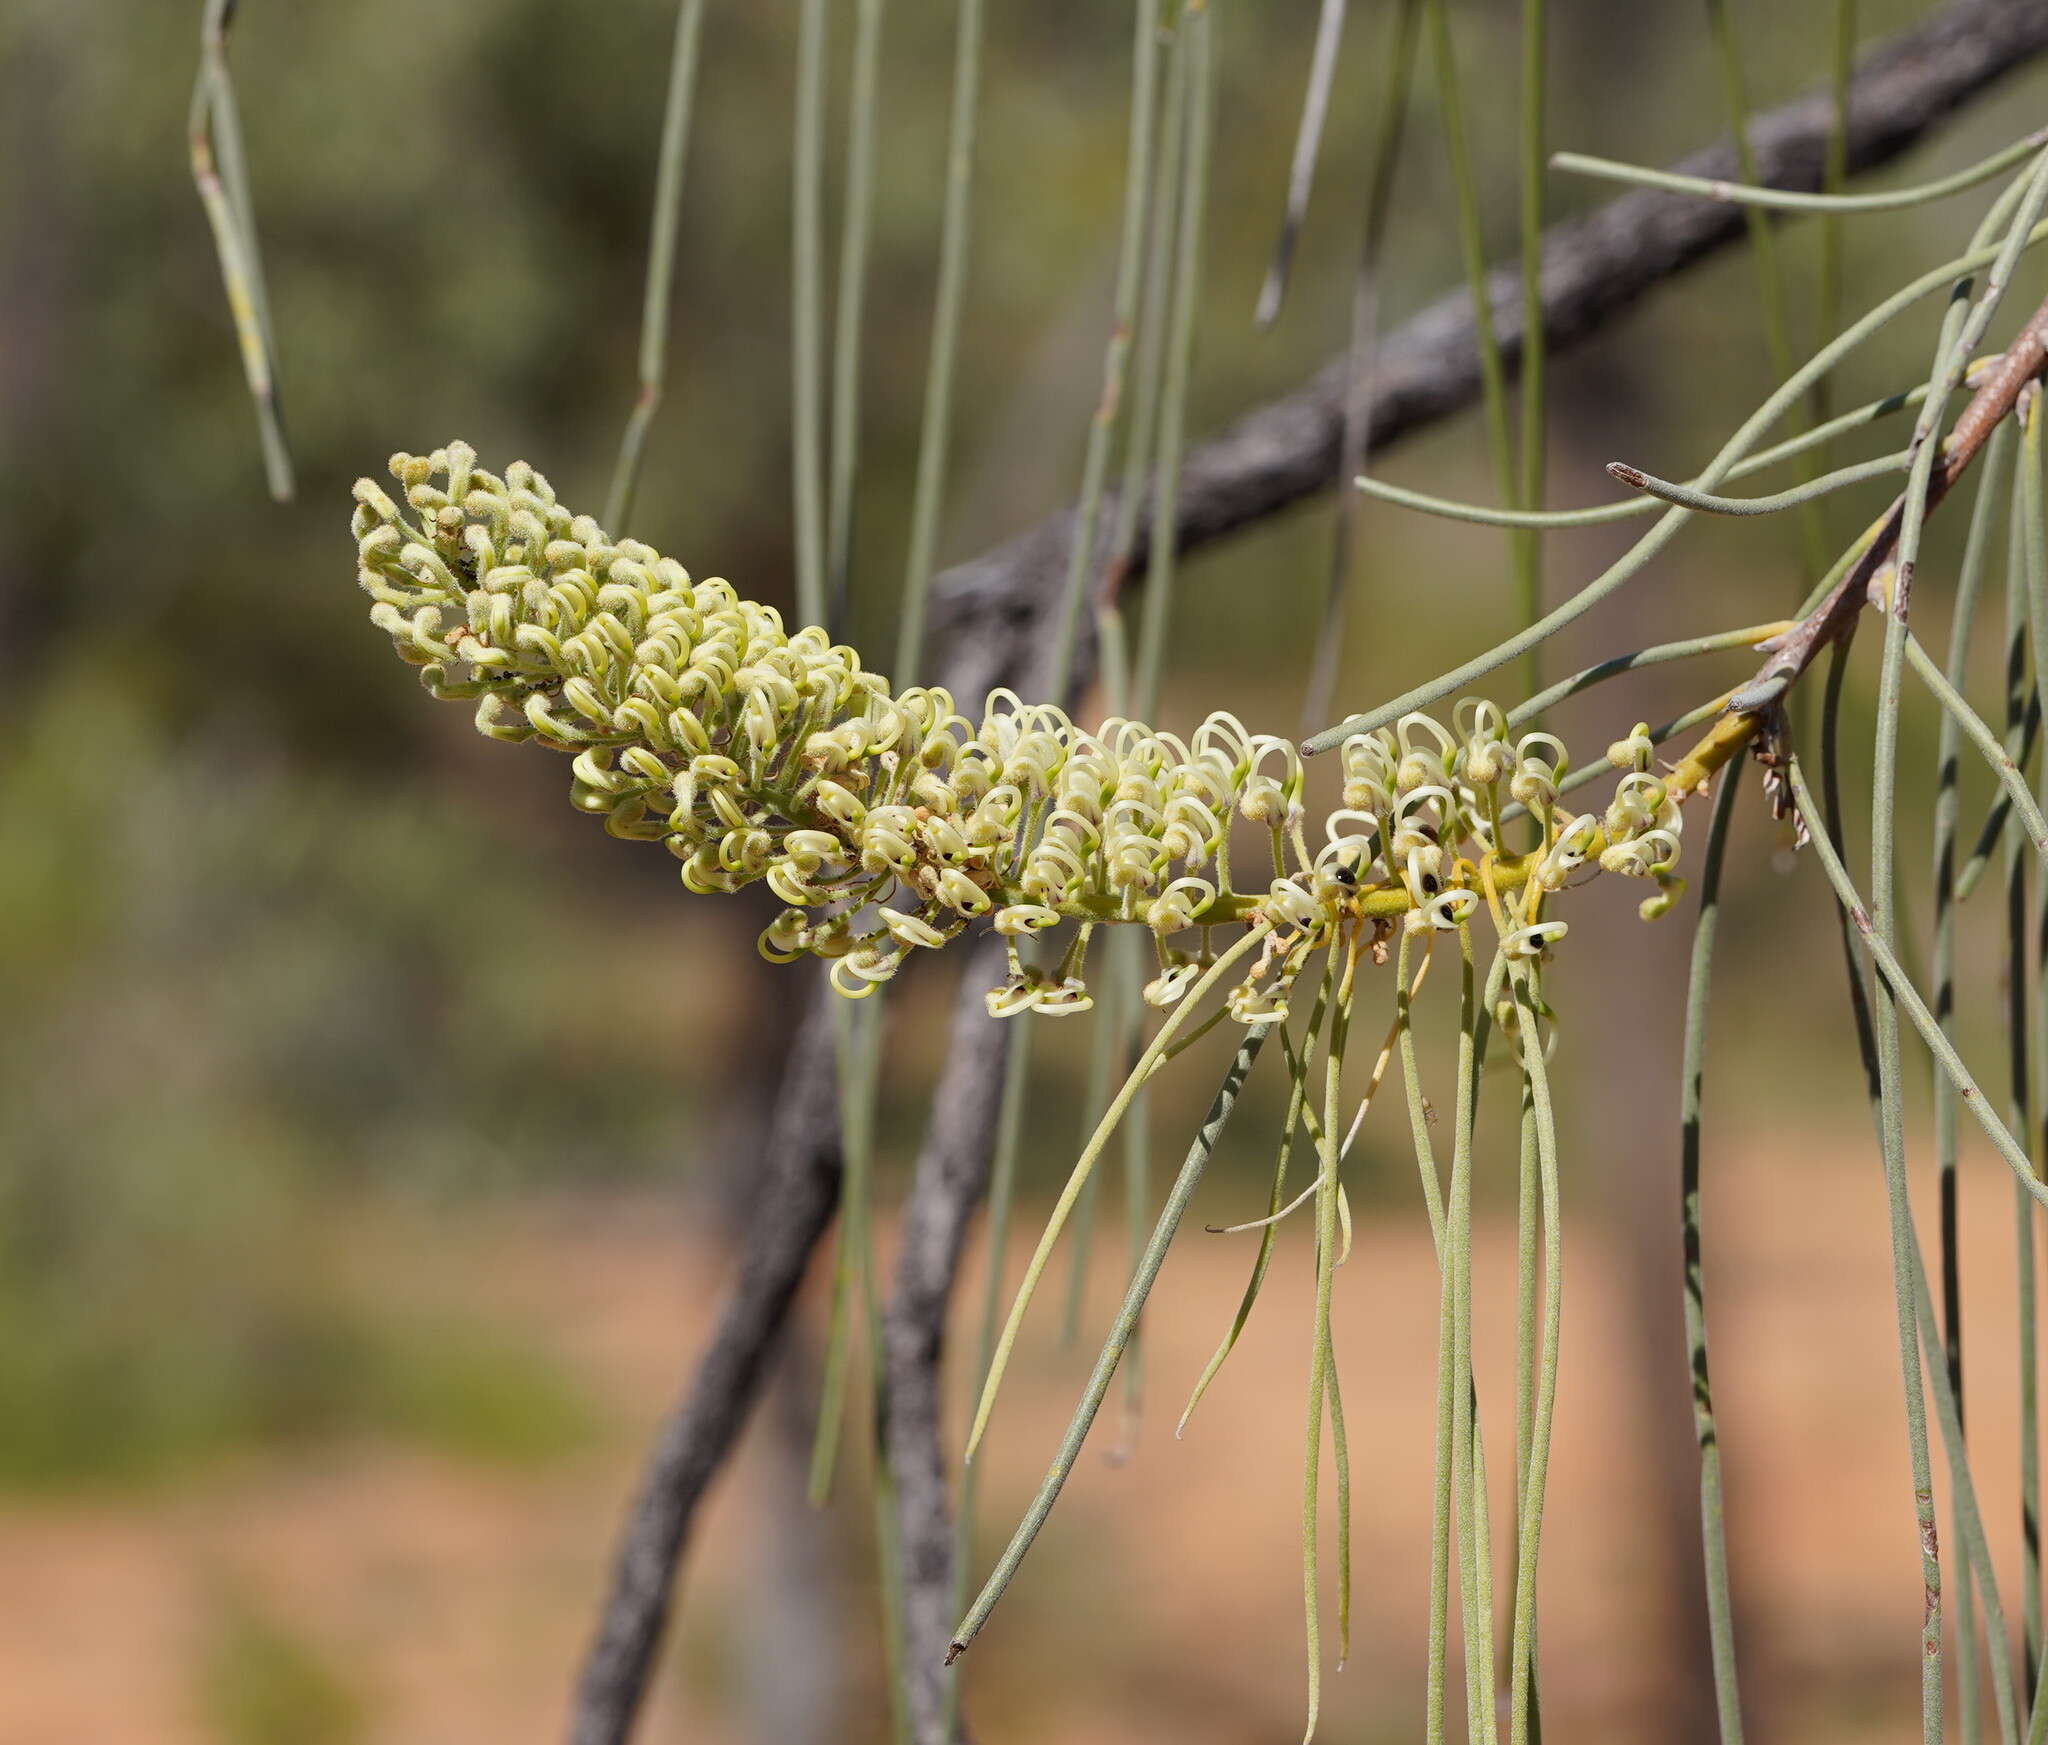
890,822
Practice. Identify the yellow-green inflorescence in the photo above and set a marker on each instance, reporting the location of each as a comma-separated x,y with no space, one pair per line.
890,823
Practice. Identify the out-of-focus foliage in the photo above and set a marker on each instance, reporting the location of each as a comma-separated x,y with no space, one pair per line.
262,1685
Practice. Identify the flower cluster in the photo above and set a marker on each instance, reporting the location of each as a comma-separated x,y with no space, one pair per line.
887,822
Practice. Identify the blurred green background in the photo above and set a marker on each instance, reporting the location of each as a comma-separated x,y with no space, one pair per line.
345,1067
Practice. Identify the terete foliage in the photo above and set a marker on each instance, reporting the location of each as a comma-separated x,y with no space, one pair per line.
889,822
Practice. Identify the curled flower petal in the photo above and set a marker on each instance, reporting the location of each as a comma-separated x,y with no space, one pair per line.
1449,910
1166,988
1636,752
786,938
1062,999
1175,908
961,894
1670,888
1021,918
1008,998
1247,1004
851,981
1568,853
912,930
1641,856
1289,905
1528,943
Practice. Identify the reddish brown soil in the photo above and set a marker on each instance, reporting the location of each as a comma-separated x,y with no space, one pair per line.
1164,1600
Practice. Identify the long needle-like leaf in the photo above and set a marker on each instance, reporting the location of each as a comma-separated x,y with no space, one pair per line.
1252,938
935,444
1112,1349
219,172
1713,1535
1308,140
659,296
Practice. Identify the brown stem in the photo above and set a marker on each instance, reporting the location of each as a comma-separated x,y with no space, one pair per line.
1996,395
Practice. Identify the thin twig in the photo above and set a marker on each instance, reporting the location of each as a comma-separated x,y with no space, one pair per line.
1629,508
1706,502
1713,1537
1322,1365
856,221
1190,200
1947,1410
1947,776
1127,1319
1361,361
1827,295
935,443
1138,197
1764,251
1534,434
1993,401
1791,200
807,312
214,134
658,301
1308,140
2002,382
2027,1060
1889,969
948,1183
1493,375
1533,1464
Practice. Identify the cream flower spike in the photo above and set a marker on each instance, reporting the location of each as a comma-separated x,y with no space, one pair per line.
888,823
